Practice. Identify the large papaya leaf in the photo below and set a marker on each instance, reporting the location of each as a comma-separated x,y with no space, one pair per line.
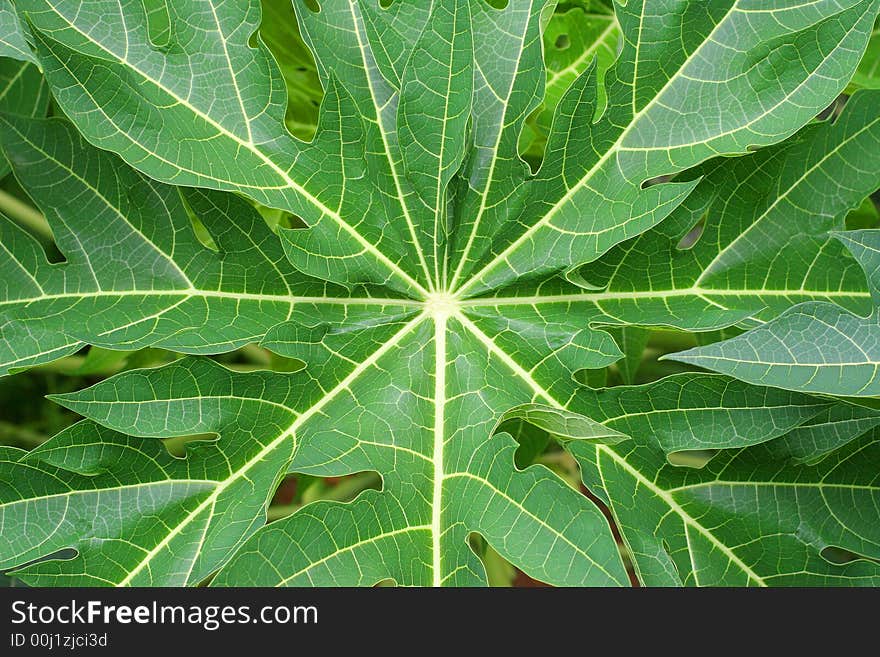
440,289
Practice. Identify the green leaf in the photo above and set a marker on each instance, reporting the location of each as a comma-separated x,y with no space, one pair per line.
745,520
135,275
867,75
572,39
166,521
563,424
433,120
700,411
13,42
440,293
280,32
815,346
140,402
826,432
22,91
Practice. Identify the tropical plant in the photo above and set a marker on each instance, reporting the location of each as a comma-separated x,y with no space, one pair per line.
573,290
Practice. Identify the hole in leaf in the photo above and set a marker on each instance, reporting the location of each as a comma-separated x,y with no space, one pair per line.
57,557
280,33
28,418
532,441
385,3
499,571
834,109
708,337
247,358
180,445
312,6
296,491
592,378
497,4
65,554
841,556
28,218
659,180
54,255
288,220
866,216
691,458
562,42
288,488
692,236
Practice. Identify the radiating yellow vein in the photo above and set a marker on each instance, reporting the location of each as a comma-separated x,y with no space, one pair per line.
15,78
391,163
354,546
612,150
218,294
539,391
247,145
272,445
655,294
489,177
439,437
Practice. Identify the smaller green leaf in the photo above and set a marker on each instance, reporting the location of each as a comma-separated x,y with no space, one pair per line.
572,39
694,411
12,35
564,425
22,91
433,118
831,429
867,75
814,347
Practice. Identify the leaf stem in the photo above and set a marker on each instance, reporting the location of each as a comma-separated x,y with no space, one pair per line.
24,214
66,365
